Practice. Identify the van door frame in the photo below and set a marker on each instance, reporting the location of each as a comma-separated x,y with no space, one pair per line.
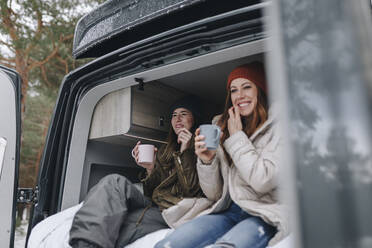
144,55
10,131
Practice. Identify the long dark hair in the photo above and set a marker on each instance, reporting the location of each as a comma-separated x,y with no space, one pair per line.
250,123
166,152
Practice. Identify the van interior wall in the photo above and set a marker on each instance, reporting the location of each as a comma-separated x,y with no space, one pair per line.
104,158
111,155
209,83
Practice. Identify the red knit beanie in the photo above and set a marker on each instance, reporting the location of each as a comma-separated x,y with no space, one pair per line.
254,72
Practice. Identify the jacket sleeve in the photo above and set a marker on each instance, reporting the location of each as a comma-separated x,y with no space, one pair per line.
210,178
150,182
259,169
185,164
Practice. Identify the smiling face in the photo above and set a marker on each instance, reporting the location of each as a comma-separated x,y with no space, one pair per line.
243,95
182,118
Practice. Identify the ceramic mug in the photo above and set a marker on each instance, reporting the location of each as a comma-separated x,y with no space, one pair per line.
212,135
145,153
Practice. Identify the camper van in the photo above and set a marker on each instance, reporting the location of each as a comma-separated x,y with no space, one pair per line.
318,58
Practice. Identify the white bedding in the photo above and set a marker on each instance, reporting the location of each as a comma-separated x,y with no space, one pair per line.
54,232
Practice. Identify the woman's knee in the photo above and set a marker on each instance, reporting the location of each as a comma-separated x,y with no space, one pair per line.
258,234
113,180
110,183
199,232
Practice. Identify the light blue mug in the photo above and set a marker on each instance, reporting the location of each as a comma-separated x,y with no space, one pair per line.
212,135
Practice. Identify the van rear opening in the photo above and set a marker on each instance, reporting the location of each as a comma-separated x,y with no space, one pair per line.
127,112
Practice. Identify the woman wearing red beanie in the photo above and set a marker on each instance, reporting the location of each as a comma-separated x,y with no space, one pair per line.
241,175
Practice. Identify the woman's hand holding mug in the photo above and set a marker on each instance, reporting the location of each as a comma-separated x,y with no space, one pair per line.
145,156
201,150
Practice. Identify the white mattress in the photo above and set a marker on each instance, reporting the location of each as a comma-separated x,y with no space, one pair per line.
54,232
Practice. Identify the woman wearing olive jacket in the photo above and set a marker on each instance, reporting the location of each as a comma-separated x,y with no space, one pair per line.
115,213
241,175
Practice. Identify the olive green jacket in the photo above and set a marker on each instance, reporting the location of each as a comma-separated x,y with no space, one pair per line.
172,181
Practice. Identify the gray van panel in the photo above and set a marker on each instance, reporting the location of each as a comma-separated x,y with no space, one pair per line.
8,132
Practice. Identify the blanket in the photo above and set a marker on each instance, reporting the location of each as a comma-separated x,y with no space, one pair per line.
54,232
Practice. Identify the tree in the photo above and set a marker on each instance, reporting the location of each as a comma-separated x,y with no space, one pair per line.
37,36
36,40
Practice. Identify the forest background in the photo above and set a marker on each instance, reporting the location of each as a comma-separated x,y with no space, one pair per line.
36,38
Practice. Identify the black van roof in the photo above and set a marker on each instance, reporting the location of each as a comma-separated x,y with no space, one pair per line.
117,23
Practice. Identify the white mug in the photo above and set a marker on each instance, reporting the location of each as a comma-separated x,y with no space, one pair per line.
145,153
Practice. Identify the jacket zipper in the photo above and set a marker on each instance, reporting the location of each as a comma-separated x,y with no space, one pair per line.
181,168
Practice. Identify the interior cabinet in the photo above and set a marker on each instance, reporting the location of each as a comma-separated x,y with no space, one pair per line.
129,114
